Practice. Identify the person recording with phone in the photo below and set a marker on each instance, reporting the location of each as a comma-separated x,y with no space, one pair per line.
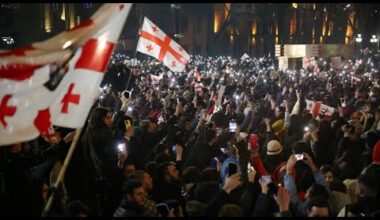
132,204
317,143
320,187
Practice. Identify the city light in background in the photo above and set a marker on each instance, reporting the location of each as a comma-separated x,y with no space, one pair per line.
233,29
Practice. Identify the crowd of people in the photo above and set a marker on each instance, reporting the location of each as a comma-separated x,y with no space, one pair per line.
225,138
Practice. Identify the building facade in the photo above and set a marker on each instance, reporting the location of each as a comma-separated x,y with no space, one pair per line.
209,29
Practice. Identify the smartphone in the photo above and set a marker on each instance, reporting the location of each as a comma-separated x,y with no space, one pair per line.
223,150
306,129
126,94
299,156
266,178
232,125
163,209
174,147
250,167
121,147
128,124
343,102
232,169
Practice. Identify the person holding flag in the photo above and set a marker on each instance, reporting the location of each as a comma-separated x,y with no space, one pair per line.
56,81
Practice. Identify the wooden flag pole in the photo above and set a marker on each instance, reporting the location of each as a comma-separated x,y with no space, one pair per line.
62,171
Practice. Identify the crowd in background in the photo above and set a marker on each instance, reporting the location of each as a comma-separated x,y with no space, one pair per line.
172,145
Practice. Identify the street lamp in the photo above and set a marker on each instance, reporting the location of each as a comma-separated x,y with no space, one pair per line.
358,39
374,41
358,44
177,22
178,35
175,6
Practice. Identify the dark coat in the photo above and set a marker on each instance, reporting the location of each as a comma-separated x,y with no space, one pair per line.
128,209
92,168
168,191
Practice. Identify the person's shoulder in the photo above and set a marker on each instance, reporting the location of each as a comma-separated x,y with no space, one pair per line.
120,212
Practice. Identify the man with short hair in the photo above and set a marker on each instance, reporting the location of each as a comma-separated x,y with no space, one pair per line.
149,204
318,189
168,184
367,191
132,204
318,207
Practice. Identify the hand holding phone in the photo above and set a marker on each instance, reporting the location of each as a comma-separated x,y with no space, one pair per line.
232,125
128,124
266,178
232,169
299,156
126,94
250,167
121,147
163,209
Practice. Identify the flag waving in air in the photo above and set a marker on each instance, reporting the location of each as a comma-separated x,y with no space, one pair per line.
56,81
154,42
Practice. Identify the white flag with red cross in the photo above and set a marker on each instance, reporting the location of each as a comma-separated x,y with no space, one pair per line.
357,63
317,108
154,42
308,62
55,82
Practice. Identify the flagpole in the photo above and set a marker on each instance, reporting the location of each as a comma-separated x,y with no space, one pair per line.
134,58
62,171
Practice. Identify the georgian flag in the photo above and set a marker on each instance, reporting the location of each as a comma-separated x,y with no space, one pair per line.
317,108
308,62
55,82
154,42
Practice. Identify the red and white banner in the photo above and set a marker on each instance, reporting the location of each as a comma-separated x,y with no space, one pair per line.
357,63
317,108
154,42
308,62
28,105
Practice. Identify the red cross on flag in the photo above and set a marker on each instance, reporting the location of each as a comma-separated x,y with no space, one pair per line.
357,63
308,62
317,108
30,104
154,42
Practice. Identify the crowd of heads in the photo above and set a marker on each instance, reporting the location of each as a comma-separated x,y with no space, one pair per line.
227,137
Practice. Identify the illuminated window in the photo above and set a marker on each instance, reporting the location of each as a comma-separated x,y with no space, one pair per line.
63,15
72,15
47,18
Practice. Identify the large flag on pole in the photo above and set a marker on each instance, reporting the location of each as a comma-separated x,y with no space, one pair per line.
56,81
154,42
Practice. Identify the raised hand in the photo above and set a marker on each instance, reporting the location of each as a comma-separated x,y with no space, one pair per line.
307,160
232,182
282,198
264,185
298,94
251,175
290,164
